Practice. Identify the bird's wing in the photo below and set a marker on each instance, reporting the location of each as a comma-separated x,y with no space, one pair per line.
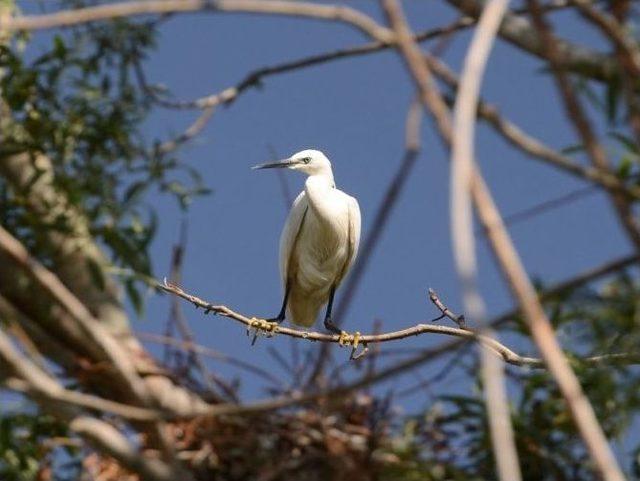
354,231
290,233
354,236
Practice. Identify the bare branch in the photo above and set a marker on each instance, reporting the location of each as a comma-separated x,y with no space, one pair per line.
73,248
518,31
507,354
508,259
104,345
582,125
192,131
462,164
530,145
108,439
147,7
627,53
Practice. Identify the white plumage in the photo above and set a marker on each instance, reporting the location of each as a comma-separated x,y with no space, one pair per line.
319,241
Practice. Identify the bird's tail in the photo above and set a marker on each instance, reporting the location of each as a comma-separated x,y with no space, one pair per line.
303,309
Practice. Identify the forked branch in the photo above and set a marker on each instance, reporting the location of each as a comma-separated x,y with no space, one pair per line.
508,356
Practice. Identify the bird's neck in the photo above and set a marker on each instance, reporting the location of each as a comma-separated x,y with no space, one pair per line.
317,189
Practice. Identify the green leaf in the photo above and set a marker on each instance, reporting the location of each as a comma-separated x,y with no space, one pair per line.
572,149
625,141
612,99
134,297
96,273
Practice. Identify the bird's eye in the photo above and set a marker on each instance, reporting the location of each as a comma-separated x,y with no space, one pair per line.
306,160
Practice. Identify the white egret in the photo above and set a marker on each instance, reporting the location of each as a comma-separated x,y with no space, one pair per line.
318,245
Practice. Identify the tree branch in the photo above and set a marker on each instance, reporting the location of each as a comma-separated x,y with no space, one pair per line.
518,31
73,249
66,405
530,145
77,16
102,343
512,268
501,350
582,125
463,239
111,441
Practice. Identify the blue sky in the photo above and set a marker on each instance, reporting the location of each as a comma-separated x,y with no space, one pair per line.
354,110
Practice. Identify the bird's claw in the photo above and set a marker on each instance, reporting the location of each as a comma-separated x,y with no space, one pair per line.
261,325
347,339
352,340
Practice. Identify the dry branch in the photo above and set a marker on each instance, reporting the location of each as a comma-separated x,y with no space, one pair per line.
582,124
463,239
514,29
519,31
73,248
509,261
105,347
67,406
77,16
507,354
251,322
529,144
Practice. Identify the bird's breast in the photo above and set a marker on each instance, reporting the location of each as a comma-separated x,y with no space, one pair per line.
321,251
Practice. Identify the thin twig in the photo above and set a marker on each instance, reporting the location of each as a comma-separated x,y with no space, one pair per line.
529,144
208,352
627,53
177,317
192,131
507,354
582,125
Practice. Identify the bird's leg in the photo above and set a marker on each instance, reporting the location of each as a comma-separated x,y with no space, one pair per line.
283,309
270,326
346,339
328,323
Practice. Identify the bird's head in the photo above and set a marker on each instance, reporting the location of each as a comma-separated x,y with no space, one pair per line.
310,162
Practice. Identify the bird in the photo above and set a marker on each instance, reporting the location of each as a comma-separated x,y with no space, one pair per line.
318,245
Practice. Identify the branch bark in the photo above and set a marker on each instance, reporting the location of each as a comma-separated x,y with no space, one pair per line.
514,272
501,350
583,127
69,18
463,239
518,31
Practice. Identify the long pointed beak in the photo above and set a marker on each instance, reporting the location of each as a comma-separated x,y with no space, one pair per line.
280,164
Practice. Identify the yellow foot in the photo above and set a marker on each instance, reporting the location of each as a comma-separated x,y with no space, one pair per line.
347,339
261,325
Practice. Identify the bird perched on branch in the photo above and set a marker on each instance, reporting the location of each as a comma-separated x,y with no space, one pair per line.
318,245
